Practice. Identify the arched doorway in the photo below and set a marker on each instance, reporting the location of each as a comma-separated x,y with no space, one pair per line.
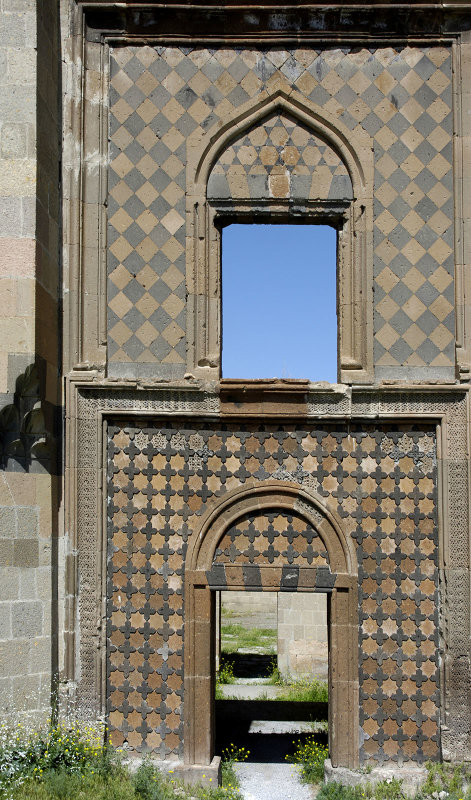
205,574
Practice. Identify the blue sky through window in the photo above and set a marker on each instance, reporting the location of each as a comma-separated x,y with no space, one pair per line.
279,302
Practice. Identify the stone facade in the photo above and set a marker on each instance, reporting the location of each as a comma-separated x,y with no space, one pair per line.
30,399
380,482
136,134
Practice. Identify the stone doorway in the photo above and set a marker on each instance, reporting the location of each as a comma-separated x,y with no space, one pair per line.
271,673
208,572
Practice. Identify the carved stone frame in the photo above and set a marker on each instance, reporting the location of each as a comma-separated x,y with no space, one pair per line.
91,402
355,256
200,615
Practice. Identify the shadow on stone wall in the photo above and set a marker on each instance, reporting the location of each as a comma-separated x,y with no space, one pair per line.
26,443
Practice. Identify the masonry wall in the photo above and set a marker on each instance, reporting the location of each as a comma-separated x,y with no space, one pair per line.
30,139
302,635
374,136
160,478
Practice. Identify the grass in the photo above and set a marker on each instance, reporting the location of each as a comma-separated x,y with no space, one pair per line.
229,757
454,781
71,762
236,637
226,671
292,690
305,691
299,690
311,756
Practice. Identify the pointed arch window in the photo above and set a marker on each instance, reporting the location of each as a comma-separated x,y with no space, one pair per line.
283,161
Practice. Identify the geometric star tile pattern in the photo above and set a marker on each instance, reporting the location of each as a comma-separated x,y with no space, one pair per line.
381,482
271,538
401,97
279,158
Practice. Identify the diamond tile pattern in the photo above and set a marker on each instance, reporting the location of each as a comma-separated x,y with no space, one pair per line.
381,483
279,158
401,97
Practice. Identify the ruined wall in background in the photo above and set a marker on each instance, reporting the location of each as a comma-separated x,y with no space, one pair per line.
302,635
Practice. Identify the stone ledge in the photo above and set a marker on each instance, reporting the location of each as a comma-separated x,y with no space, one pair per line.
204,774
412,777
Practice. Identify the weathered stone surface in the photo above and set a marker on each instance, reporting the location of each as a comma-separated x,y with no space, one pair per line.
113,188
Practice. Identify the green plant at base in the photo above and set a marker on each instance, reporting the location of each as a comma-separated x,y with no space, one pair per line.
31,754
64,786
388,790
444,778
311,756
219,694
276,677
150,784
336,791
229,756
226,672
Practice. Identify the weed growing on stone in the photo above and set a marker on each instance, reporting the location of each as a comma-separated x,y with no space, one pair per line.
446,778
72,762
311,756
226,672
230,755
384,790
444,782
26,754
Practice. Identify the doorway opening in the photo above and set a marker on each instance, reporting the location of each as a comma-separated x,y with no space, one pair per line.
279,301
271,673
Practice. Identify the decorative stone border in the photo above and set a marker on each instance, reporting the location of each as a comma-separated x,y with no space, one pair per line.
200,617
91,403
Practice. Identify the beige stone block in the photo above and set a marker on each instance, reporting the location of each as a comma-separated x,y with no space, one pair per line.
25,296
279,185
17,258
20,488
28,587
22,65
17,177
43,583
8,295
42,485
17,335
44,553
3,373
25,692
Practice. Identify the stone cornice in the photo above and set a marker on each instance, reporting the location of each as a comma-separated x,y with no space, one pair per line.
299,22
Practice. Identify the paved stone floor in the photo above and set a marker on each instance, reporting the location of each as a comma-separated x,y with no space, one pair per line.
272,782
247,691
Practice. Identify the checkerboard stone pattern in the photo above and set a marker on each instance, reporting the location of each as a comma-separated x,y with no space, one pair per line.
158,96
277,159
382,484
